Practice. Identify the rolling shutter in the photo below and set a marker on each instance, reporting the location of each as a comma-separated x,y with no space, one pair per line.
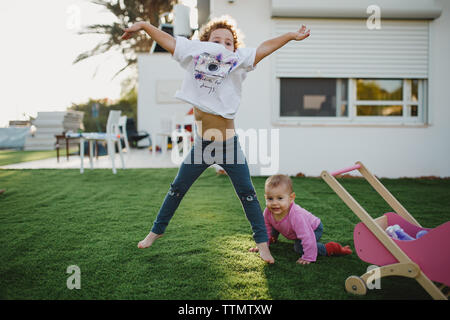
346,48
390,9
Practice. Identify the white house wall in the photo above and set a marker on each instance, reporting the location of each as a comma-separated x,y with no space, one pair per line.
388,151
159,74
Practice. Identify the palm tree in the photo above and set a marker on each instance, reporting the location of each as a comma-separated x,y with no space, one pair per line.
127,13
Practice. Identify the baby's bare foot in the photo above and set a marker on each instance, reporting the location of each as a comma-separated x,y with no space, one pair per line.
264,252
148,241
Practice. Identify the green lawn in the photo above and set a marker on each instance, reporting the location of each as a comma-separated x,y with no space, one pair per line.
13,156
51,219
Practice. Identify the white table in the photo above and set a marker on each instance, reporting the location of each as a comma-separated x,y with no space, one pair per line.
98,136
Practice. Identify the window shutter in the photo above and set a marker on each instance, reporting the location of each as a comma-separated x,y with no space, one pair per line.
351,9
347,48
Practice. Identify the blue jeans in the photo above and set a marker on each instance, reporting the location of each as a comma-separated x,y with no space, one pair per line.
228,154
321,250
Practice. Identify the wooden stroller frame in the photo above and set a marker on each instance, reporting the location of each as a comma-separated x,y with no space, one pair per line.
405,266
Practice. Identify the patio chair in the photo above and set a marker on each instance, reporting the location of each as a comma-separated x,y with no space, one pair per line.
174,127
134,136
123,131
112,136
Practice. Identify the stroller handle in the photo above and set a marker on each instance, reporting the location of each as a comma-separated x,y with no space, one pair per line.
344,170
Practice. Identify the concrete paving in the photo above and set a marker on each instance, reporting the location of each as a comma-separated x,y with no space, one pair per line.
136,158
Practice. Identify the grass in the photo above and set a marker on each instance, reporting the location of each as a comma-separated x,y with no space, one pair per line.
51,219
13,156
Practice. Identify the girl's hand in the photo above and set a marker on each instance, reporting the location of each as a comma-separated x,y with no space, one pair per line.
129,32
301,34
301,261
253,250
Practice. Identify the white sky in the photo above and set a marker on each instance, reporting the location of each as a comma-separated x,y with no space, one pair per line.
39,42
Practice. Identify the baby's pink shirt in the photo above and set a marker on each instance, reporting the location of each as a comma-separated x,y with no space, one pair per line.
297,224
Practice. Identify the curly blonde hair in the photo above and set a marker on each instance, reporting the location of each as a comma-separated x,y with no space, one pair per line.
223,22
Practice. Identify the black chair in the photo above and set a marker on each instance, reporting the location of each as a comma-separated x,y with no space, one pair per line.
135,136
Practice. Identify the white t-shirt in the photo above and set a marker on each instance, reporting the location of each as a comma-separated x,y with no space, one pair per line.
214,75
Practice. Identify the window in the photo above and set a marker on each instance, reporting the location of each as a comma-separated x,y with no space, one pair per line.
352,100
313,97
387,98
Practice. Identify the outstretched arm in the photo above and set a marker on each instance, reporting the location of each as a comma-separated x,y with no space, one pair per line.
272,45
164,39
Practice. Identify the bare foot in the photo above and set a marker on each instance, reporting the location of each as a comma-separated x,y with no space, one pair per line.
149,239
301,261
264,252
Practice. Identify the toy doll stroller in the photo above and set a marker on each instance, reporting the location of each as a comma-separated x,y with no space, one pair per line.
426,259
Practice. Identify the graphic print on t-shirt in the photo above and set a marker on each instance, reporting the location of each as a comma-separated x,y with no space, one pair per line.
211,70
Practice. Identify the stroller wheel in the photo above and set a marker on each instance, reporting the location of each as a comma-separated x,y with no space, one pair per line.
355,285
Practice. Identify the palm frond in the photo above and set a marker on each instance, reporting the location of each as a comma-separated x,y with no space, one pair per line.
98,49
129,64
128,13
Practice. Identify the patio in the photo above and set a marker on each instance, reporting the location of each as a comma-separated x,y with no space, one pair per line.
136,158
